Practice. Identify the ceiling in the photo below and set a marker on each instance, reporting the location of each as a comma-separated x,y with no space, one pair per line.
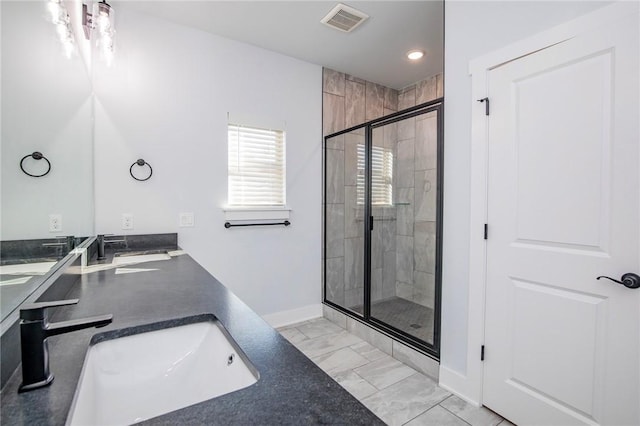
375,51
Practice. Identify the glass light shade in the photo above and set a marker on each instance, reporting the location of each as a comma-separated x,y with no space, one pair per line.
103,23
55,11
62,22
103,15
61,29
69,48
105,32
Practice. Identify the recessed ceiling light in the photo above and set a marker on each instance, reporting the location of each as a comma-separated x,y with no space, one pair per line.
414,55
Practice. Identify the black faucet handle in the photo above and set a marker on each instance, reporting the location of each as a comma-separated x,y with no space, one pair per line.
35,311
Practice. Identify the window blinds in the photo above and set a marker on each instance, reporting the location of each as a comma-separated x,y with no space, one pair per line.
381,176
256,166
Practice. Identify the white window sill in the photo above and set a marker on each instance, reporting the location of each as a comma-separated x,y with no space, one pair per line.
257,213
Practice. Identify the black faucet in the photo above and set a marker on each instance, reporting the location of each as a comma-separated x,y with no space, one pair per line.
63,247
102,242
34,331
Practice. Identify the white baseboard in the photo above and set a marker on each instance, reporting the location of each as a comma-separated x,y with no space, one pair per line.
458,385
293,316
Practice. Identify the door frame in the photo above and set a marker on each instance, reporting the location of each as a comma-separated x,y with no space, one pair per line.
470,387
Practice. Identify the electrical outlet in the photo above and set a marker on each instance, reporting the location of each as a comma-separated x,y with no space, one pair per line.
55,223
127,221
186,220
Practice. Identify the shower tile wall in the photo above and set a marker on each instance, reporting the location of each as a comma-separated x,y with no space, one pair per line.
347,102
402,265
415,183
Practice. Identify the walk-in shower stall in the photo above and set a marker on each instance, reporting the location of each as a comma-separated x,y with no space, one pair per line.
383,223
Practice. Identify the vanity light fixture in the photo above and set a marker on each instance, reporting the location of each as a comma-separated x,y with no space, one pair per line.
414,55
60,18
100,20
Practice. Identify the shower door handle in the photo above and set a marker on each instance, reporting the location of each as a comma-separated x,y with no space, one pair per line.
629,280
371,223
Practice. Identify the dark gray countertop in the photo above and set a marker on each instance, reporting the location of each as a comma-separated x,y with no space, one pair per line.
291,389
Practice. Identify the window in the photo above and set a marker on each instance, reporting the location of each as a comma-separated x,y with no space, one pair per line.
256,166
381,176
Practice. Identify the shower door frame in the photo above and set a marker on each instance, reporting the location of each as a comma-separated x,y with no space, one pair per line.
431,349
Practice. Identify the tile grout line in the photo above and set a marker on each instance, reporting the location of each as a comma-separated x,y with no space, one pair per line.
315,337
351,370
418,415
337,370
452,411
397,381
366,381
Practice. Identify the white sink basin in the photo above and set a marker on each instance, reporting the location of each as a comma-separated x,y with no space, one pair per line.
125,260
137,377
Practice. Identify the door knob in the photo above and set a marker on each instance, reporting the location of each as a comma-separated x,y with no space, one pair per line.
629,280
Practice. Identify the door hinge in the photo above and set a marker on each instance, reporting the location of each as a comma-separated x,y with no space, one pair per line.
486,231
486,105
482,353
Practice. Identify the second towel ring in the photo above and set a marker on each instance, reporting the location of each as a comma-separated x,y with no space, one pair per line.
140,162
36,156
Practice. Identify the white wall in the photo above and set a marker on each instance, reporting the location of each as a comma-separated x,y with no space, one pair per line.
166,99
472,29
46,107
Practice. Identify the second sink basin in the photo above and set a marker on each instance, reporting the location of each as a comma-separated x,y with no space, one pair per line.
142,372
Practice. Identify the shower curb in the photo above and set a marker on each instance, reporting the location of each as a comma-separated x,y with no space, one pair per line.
403,353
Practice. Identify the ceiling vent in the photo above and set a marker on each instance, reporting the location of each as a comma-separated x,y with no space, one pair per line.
344,18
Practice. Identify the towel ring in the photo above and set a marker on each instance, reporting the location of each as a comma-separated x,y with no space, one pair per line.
140,162
36,156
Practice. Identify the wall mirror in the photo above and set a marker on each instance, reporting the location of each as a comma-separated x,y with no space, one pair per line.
46,108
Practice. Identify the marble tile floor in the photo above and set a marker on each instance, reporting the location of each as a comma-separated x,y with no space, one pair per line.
395,392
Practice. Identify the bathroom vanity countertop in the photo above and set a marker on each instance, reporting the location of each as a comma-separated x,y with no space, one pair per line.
291,388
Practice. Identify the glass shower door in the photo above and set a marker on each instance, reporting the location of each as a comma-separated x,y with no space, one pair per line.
404,190
383,224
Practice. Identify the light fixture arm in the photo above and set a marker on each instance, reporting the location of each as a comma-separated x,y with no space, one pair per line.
87,21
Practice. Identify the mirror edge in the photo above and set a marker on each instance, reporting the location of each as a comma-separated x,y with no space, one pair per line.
48,280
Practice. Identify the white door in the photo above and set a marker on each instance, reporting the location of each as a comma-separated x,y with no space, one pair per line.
561,347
